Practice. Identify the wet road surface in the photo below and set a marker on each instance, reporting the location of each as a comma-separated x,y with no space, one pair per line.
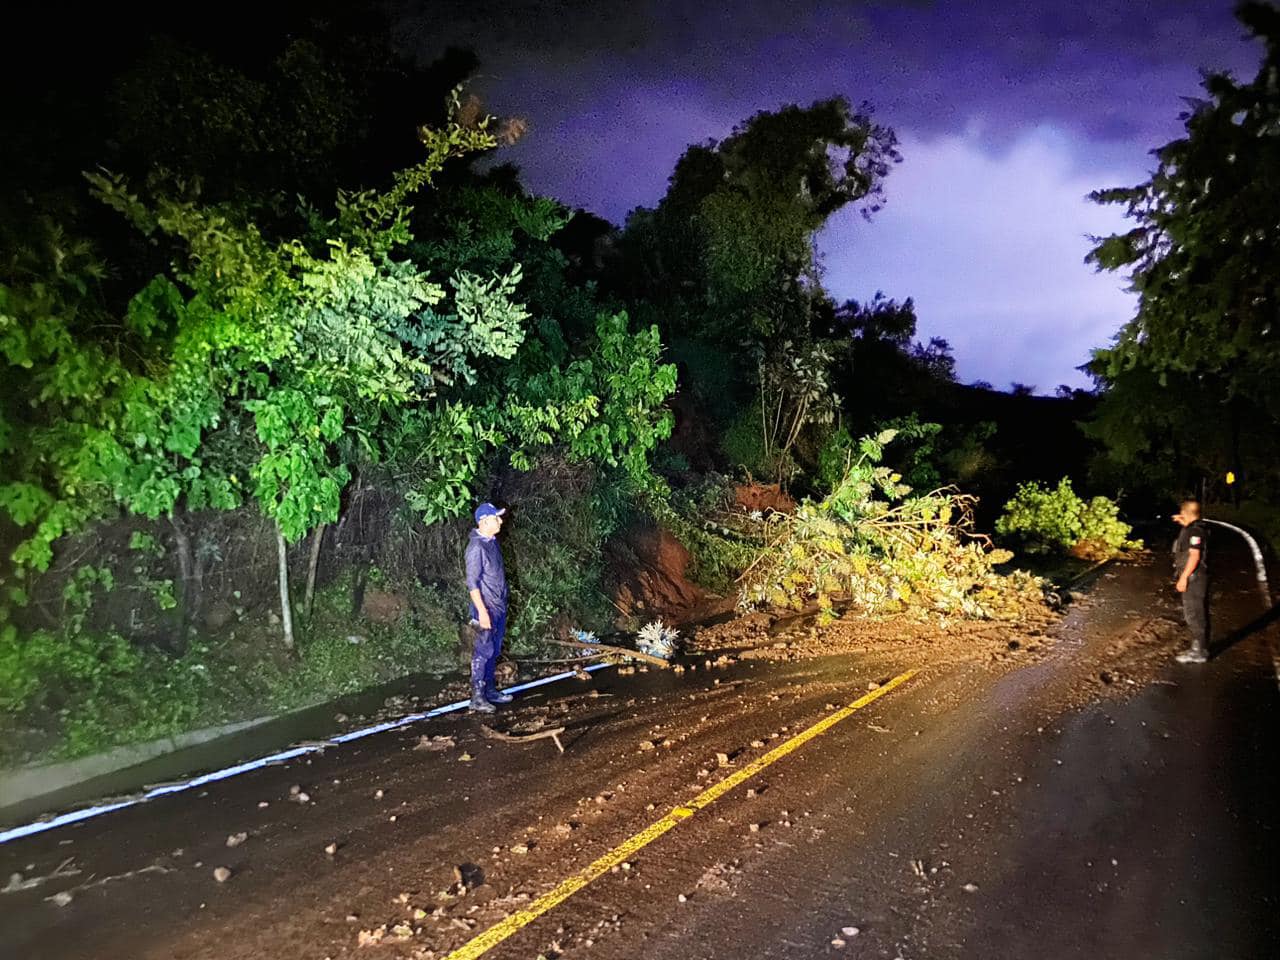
980,809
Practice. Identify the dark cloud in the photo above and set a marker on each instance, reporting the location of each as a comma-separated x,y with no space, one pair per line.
1046,100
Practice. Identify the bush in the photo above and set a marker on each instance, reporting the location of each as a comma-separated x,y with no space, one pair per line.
696,515
743,446
1057,521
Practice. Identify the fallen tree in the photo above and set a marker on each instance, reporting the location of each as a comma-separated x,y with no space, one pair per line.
877,548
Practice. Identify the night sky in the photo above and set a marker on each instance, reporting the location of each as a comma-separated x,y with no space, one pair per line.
1008,112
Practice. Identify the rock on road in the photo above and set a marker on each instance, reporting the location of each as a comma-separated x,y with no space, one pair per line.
1053,809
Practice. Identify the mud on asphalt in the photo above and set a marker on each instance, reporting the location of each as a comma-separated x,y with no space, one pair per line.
411,843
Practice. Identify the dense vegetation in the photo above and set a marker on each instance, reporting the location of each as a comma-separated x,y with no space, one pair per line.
1044,520
1191,385
268,334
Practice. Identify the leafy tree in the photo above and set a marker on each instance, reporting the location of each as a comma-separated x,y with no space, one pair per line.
1204,344
728,254
1045,521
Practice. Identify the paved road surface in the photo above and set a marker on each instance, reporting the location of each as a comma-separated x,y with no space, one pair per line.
973,811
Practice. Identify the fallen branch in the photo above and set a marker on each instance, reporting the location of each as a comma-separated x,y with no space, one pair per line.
551,734
607,648
17,883
581,659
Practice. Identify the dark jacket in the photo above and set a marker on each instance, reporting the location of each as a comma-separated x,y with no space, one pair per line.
485,572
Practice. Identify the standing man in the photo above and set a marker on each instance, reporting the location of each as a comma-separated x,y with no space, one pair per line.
487,586
1191,567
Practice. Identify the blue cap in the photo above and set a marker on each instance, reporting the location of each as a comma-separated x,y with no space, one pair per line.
488,510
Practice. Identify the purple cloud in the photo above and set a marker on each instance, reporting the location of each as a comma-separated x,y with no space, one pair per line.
1009,113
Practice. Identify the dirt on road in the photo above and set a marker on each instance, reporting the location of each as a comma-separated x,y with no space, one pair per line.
1056,787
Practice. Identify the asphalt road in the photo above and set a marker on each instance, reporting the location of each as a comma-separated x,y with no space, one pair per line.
979,809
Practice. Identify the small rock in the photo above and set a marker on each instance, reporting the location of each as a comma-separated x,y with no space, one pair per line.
371,938
237,838
850,931
837,942
520,848
682,898
754,828
646,745
757,743
751,793
303,798
221,874
61,898
331,849
377,794
970,888
466,757
263,804
295,790
723,759
340,718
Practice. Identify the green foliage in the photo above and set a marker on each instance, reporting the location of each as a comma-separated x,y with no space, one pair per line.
1045,521
884,551
731,243
555,550
795,393
1202,352
699,515
742,444
834,459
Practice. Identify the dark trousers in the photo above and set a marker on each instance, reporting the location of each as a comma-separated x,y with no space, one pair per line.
486,646
1195,610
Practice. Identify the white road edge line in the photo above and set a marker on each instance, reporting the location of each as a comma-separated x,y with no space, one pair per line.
77,816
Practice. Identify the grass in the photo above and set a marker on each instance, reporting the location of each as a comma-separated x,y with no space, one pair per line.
240,674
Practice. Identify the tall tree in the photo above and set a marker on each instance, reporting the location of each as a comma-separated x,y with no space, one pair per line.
729,251
1202,256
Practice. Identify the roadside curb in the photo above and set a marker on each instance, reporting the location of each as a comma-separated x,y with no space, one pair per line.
40,825
31,781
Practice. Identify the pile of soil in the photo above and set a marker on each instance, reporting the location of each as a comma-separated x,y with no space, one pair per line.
763,496
648,568
797,636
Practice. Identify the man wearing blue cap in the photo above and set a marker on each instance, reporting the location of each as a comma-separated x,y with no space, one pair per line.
487,585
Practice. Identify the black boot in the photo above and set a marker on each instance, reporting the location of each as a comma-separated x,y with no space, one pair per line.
478,702
494,695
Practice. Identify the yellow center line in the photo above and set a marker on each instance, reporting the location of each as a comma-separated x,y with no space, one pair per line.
522,918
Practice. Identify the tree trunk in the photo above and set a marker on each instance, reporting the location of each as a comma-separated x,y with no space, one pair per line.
286,614
317,538
189,590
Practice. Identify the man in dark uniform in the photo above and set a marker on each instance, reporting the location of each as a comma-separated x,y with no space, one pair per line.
487,587
1191,567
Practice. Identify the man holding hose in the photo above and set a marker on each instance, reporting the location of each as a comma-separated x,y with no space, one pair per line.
1191,567
487,587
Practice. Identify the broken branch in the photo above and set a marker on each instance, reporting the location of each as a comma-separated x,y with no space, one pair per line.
607,648
552,733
